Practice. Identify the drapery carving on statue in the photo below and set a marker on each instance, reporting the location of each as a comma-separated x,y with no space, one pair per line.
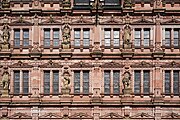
66,34
66,79
126,80
127,34
5,35
5,80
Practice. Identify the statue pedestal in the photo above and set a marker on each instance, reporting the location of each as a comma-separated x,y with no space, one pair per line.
127,97
4,47
5,93
127,91
66,91
66,98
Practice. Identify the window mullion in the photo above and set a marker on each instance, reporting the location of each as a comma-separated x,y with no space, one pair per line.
111,82
51,81
21,81
171,82
81,82
141,82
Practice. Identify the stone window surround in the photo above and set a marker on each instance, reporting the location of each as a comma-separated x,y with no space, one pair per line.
111,80
51,35
151,80
51,80
81,80
21,80
171,80
13,28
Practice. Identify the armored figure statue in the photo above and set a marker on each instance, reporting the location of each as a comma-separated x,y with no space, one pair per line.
66,33
66,81
5,80
5,35
126,80
127,34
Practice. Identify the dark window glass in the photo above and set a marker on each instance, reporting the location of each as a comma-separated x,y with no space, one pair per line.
137,40
86,82
107,82
55,81
146,82
25,82
116,82
77,82
107,38
86,37
16,82
81,2
25,37
116,38
77,36
56,38
146,37
46,82
17,38
176,82
176,38
167,37
167,82
111,2
137,82
46,38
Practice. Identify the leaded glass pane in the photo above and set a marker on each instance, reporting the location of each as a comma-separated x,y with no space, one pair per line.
176,38
116,37
167,82
107,37
55,81
25,82
137,82
167,38
86,82
111,2
16,82
86,37
116,82
25,37
56,38
77,82
77,38
46,82
137,41
146,37
106,82
17,38
146,82
47,38
81,2
176,82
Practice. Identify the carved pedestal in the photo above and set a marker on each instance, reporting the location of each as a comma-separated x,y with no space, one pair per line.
66,5
66,46
4,47
5,93
127,97
65,91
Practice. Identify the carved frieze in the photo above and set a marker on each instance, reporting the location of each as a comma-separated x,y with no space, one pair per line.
112,65
20,64
111,116
110,20
51,64
171,115
81,64
83,20
21,20
172,64
50,116
142,64
53,20
20,115
81,116
142,116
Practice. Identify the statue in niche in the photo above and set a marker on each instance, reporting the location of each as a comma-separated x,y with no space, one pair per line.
126,80
5,37
66,80
127,36
66,37
5,80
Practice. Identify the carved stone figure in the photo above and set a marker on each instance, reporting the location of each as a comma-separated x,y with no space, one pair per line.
5,38
126,80
66,37
5,80
127,37
66,81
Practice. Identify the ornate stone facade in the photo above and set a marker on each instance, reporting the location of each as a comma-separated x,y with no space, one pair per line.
90,59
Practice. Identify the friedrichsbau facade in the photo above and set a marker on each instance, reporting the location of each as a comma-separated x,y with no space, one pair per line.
90,59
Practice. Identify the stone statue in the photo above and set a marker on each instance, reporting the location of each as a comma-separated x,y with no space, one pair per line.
66,37
66,81
5,37
127,37
5,80
126,80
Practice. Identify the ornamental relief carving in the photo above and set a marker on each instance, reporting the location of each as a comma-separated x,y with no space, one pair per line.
112,65
81,115
110,20
50,116
81,64
83,20
142,64
172,64
171,115
20,115
142,115
111,115
51,64
20,64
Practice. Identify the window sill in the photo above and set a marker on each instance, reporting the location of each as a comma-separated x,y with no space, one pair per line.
20,94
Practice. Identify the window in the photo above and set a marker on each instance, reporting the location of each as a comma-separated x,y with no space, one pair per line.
111,2
24,81
171,37
16,38
115,80
77,37
143,81
167,37
85,81
81,2
168,81
47,82
47,38
176,38
115,37
25,37
138,37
